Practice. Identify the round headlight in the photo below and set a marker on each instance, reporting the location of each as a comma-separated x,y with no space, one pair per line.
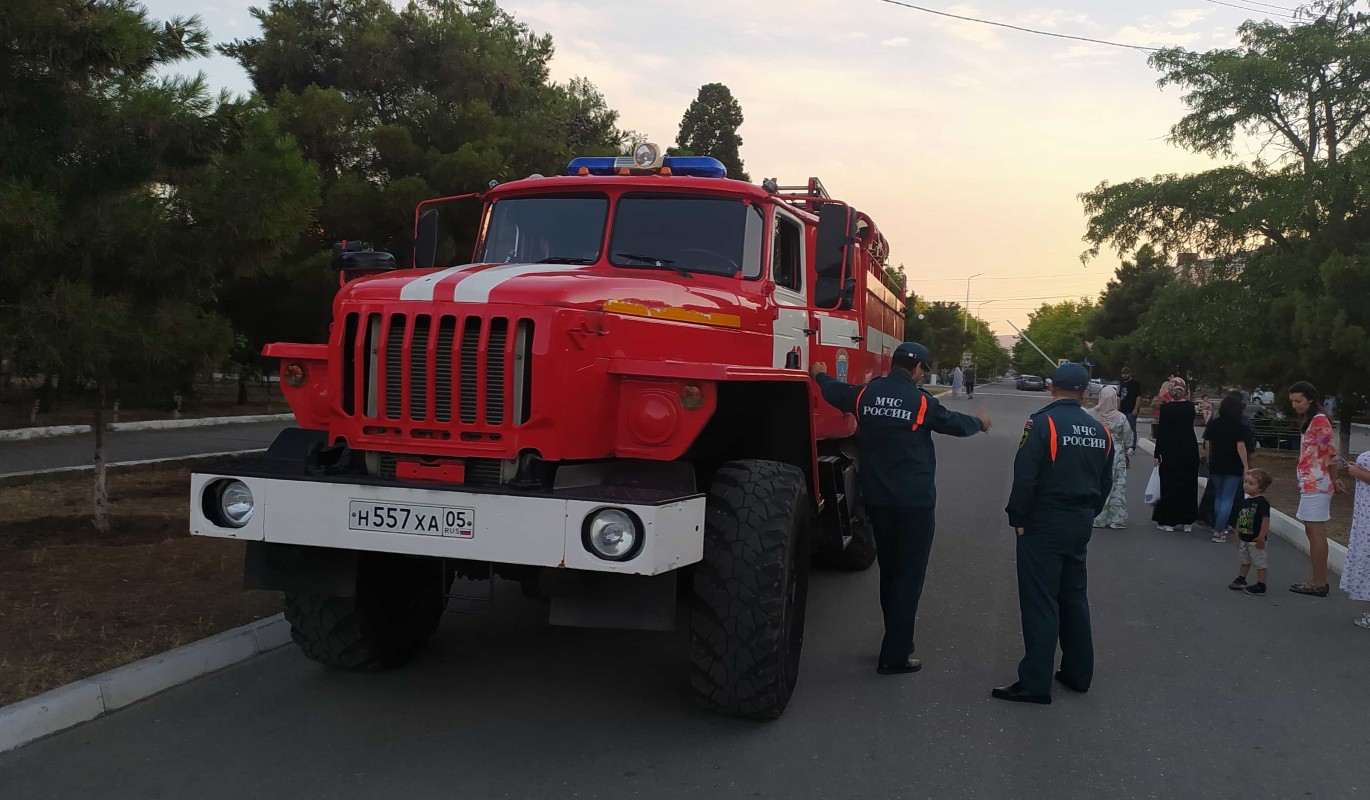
235,504
613,534
646,155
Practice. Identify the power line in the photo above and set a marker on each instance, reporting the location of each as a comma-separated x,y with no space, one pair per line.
1269,5
1006,278
1018,27
1286,15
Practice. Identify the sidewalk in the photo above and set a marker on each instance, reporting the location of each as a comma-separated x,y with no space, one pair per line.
77,451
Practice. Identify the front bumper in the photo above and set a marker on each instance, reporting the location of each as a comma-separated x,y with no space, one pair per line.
536,529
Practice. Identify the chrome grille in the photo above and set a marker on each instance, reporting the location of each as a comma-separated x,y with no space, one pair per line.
394,372
494,371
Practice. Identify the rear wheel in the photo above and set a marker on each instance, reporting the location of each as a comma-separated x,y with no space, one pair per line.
749,592
397,606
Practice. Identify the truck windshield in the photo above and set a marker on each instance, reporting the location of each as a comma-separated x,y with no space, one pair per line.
687,233
556,228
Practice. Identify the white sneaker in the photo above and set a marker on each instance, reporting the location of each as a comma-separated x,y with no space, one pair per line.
1188,528
1117,526
1363,621
1167,528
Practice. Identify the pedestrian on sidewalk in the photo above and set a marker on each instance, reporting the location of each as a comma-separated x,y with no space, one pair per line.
1129,392
1355,573
898,478
1114,514
1317,483
968,375
1225,438
1177,454
1062,476
958,383
1253,530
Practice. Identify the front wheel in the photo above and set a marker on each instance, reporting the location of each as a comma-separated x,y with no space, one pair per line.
396,607
750,591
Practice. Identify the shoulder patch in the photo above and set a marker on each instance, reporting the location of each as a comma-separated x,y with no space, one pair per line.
1027,431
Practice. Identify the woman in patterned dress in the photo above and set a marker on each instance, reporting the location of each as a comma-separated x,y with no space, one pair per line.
1317,460
1355,574
1114,514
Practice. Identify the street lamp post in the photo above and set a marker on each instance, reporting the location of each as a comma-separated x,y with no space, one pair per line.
966,326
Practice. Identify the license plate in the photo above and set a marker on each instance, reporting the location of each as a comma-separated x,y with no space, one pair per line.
449,521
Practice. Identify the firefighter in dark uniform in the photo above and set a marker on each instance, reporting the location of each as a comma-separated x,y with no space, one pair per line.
1062,476
896,420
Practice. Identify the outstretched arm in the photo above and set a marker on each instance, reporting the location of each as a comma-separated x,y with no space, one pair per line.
841,396
954,423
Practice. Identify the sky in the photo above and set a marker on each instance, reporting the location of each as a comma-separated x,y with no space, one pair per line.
968,144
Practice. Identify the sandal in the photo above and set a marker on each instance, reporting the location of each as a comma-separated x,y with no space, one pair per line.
1363,620
1309,589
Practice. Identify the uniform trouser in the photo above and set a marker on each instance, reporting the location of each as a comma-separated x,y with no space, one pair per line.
1052,599
903,541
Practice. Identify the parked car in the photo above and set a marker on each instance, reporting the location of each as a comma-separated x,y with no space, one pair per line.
1272,429
1031,383
1263,396
1096,385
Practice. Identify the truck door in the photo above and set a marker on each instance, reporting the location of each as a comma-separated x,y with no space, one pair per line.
787,270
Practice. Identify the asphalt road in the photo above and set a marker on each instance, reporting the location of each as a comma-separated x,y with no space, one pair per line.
76,451
1200,692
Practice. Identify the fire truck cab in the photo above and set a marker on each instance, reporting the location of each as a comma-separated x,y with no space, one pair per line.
610,404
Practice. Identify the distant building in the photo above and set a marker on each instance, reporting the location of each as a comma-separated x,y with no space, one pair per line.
1189,267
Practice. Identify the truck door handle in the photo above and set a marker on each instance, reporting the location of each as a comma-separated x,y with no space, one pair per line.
808,331
858,338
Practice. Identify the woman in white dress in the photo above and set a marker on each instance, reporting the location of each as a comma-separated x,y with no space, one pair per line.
1114,514
1355,574
958,382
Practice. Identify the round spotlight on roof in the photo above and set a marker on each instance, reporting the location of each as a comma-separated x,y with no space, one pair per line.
647,156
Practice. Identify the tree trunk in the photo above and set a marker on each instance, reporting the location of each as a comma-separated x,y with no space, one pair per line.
242,387
101,517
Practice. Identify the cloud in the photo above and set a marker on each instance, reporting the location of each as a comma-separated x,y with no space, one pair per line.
1186,17
898,41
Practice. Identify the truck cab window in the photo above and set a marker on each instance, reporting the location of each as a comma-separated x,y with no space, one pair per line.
542,228
687,233
786,256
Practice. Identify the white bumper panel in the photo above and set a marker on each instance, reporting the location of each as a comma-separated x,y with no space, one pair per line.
535,531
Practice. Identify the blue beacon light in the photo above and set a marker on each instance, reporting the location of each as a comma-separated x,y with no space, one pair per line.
685,166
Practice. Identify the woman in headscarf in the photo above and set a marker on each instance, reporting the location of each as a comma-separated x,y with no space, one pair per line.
958,382
1177,454
1114,514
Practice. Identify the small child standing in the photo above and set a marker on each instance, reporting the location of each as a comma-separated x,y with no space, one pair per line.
1253,526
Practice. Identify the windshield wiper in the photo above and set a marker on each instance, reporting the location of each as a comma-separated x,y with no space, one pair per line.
565,260
658,263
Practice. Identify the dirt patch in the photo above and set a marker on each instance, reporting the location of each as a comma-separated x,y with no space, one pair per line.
1283,494
74,602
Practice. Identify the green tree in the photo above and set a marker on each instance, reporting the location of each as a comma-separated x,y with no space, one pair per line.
938,326
128,198
709,128
1129,295
1290,224
433,99
1057,328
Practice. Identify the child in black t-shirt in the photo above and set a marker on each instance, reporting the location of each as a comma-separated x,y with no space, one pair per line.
1253,526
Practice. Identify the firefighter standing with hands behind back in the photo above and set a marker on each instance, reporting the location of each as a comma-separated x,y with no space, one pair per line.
1062,477
896,420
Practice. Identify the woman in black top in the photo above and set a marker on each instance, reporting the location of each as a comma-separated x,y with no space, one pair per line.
1177,454
1226,437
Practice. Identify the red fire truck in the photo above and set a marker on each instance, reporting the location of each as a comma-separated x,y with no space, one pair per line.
609,405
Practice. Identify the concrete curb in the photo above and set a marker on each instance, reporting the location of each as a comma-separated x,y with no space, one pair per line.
1283,526
75,703
7,478
27,434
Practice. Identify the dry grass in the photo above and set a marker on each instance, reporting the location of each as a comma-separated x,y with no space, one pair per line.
74,603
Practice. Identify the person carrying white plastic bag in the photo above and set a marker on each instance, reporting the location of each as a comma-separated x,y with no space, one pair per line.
1153,487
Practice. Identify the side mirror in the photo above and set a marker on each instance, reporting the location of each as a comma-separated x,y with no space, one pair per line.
348,256
836,232
426,239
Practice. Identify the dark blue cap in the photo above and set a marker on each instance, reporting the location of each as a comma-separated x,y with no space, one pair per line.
1070,377
910,354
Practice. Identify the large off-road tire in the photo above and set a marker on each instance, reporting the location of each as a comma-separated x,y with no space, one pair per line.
397,606
750,590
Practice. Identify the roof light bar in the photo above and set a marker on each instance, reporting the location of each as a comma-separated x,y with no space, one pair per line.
687,166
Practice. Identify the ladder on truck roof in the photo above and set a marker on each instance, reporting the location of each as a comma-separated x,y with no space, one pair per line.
798,196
